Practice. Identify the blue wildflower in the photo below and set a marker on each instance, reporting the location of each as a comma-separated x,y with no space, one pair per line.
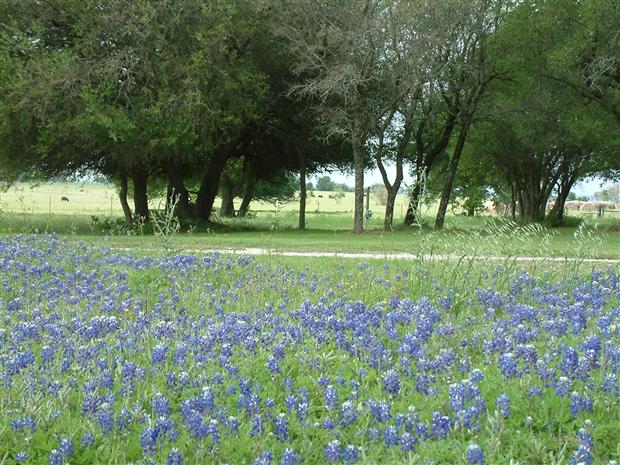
175,457
503,405
280,424
66,447
289,457
331,398
351,454
333,451
475,455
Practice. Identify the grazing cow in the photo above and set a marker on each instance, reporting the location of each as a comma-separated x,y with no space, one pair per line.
64,199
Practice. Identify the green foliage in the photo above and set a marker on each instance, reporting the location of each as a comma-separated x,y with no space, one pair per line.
325,183
281,187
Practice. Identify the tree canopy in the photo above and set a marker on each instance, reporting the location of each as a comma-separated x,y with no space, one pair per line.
244,98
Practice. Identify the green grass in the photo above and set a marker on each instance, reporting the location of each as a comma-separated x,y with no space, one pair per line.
483,236
25,210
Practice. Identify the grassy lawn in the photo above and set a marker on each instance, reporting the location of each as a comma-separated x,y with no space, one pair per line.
25,210
482,238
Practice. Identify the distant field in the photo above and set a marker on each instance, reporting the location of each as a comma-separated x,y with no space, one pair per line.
102,199
26,210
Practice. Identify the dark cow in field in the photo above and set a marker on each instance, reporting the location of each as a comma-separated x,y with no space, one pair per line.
64,199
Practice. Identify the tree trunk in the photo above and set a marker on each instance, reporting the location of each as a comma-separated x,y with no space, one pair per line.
228,208
209,185
513,203
533,206
414,199
358,165
471,211
140,197
178,193
388,220
450,175
122,195
556,215
248,195
303,193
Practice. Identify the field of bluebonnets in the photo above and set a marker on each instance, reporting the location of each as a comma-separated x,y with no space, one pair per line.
112,357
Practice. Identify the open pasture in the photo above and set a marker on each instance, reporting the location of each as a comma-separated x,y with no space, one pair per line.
111,357
102,199
329,230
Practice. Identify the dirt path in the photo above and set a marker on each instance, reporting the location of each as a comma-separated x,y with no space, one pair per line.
256,251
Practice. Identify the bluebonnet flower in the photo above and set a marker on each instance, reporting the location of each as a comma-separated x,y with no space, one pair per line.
280,424
329,424
348,413
508,365
390,435
579,403
180,354
303,406
373,434
535,391
233,424
21,457
66,447
333,451
582,456
257,425
55,457
288,384
391,382
407,442
503,405
159,354
87,439
440,425
148,440
570,360
331,398
289,457
351,454
381,411
214,431
20,424
124,419
175,457
291,402
563,386
475,455
161,406
476,375
585,438
273,364
105,417
263,459
610,384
